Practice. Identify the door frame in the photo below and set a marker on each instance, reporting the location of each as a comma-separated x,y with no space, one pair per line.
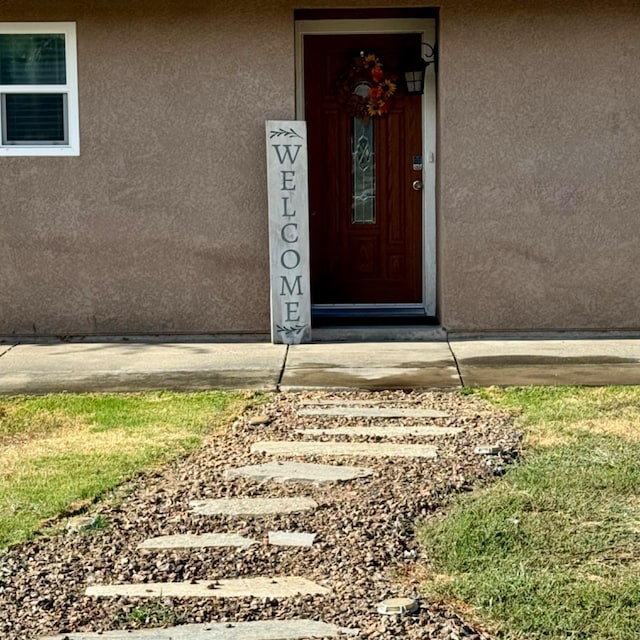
426,27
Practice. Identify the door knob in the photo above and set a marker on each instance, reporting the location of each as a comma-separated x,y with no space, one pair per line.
417,185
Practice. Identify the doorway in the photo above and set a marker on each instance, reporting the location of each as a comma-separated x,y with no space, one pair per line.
371,179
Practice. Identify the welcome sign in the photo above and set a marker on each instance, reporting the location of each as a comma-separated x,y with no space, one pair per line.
288,231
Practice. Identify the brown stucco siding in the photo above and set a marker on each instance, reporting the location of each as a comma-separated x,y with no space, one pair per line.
160,225
539,173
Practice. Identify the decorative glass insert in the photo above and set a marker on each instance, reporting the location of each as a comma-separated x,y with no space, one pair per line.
32,58
364,172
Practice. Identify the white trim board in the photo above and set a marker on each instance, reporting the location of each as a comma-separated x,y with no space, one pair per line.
427,28
70,89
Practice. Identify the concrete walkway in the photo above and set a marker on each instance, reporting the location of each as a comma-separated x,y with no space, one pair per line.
120,365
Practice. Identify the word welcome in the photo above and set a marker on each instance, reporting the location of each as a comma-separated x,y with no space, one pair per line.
288,232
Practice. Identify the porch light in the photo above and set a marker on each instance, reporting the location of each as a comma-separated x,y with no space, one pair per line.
416,70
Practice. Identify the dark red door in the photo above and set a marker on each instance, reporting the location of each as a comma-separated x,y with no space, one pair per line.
365,214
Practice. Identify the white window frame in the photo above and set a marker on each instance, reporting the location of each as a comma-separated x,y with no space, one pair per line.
69,90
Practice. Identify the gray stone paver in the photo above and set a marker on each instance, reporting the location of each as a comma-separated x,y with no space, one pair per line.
256,630
361,449
386,431
251,506
263,587
372,412
288,471
346,402
291,538
192,541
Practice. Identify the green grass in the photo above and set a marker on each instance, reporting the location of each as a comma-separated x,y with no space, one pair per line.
552,549
155,612
60,450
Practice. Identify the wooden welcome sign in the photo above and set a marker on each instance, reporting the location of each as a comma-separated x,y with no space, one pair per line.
288,231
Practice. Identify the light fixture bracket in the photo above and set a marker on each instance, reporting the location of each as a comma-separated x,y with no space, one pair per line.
415,71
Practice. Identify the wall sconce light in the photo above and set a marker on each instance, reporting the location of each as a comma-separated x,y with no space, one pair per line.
415,70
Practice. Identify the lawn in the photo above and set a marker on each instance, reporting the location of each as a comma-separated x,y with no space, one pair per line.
64,450
552,549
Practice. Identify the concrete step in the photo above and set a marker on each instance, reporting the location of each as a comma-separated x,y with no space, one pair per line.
384,431
256,630
362,449
192,541
269,587
251,506
351,402
372,412
288,471
202,541
291,538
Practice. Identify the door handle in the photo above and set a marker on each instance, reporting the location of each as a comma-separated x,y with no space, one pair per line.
417,185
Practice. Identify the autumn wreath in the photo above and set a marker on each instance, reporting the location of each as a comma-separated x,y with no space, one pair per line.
365,88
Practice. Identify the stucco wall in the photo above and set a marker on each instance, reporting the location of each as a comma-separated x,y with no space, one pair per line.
160,225
539,172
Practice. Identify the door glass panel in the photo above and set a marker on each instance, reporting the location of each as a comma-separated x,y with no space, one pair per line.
364,172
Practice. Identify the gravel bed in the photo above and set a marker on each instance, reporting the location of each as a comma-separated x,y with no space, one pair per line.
364,550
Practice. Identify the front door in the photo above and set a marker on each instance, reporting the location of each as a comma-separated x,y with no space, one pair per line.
365,176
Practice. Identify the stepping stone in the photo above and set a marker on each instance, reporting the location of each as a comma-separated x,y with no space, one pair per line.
386,431
284,587
291,539
255,630
251,506
330,402
192,541
364,449
372,412
298,472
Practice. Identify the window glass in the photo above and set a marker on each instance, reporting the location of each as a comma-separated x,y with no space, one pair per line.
35,117
32,58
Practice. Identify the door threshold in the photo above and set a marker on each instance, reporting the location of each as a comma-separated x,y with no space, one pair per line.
380,333
335,315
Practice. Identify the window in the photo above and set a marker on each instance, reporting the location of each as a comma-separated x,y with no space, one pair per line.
38,89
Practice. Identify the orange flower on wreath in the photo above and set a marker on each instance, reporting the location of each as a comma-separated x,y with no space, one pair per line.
377,74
